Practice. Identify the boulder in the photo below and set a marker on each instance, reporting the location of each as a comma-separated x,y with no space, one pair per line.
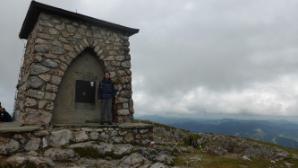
133,161
60,154
33,144
60,137
8,146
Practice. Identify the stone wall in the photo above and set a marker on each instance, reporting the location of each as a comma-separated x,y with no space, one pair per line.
51,47
44,147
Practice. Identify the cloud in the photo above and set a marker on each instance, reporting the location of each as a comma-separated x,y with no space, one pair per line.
192,56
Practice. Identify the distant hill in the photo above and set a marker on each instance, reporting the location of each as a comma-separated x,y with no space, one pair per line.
275,131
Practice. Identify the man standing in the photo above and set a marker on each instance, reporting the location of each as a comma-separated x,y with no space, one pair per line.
106,93
4,115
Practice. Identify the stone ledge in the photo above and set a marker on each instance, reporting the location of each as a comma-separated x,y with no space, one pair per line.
15,127
96,125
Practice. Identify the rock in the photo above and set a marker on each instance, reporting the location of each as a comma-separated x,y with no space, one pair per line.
50,96
120,150
83,145
129,137
42,104
80,136
22,161
45,77
165,158
53,31
104,137
34,116
56,80
133,161
123,112
8,146
126,64
42,133
51,88
41,48
58,50
60,154
94,135
71,28
30,102
158,165
60,138
35,82
104,148
105,163
37,69
49,63
33,144
35,94
50,106
244,157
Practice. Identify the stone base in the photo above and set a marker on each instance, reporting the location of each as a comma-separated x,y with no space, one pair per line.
15,138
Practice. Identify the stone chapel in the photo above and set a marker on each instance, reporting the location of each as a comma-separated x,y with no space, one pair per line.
66,56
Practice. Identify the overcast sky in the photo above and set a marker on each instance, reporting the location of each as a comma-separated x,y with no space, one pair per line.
191,57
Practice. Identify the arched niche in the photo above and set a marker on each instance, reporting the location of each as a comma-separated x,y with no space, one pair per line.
76,101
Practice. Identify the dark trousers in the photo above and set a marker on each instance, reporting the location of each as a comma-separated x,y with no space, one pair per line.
106,110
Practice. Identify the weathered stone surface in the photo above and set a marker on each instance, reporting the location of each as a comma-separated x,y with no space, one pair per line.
41,48
165,158
37,69
56,80
33,144
104,148
129,137
35,94
50,106
122,149
80,136
133,161
50,96
8,146
60,154
45,77
58,50
94,135
123,112
33,116
60,137
35,82
30,102
20,160
42,104
49,63
71,28
159,165
51,88
53,31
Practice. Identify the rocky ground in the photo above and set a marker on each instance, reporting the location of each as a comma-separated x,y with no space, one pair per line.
171,148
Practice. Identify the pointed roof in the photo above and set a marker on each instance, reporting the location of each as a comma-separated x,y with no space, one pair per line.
36,8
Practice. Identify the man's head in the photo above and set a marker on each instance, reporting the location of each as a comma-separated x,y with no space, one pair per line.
107,75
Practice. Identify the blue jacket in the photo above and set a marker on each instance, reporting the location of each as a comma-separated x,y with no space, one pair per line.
106,89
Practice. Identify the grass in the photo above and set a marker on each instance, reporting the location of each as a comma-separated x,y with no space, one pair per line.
198,159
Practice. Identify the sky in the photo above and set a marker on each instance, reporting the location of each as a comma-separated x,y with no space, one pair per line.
192,57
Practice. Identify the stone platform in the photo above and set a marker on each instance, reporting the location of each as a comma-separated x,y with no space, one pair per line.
15,138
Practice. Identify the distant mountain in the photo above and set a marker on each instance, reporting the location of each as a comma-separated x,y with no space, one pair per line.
281,132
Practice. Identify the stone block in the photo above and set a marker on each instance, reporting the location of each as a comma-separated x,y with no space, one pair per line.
37,69
60,137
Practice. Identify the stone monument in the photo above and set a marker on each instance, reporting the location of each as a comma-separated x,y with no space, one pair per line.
65,58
